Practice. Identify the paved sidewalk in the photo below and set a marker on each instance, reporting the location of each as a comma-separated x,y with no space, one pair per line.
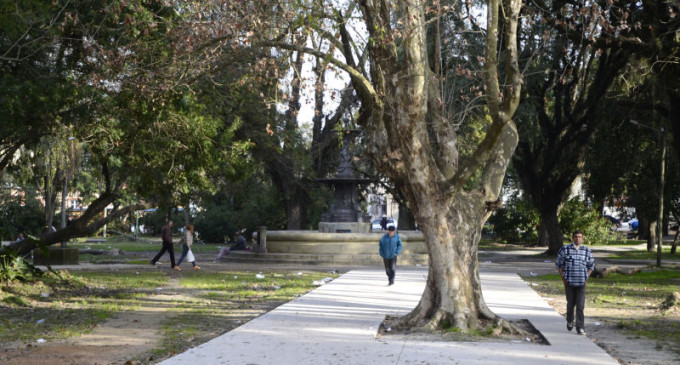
337,324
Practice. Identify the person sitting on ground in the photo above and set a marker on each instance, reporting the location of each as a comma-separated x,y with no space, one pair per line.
238,245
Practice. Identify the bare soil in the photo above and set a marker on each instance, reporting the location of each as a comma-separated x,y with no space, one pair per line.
132,337
625,347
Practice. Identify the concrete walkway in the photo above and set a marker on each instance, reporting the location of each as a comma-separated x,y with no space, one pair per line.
337,324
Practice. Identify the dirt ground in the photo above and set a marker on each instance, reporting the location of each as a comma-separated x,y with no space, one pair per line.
131,337
626,348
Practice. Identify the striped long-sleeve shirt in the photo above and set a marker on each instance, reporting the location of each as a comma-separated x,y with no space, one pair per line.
575,263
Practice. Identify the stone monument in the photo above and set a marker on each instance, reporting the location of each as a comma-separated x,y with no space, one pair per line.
344,214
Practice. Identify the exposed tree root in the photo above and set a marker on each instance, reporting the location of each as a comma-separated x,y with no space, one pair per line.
614,269
672,302
487,330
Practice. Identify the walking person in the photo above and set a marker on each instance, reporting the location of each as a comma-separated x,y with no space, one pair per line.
166,236
390,248
187,241
383,223
575,263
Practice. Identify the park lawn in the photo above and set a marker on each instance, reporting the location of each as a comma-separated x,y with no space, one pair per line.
635,303
221,301
646,255
126,245
493,245
617,242
69,304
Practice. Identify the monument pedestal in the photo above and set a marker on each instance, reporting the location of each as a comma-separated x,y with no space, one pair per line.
344,227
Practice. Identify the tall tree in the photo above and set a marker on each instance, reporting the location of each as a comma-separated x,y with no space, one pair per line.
405,131
649,93
562,105
112,77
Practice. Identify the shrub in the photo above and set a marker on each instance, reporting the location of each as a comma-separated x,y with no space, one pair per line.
13,267
255,204
577,215
516,221
17,215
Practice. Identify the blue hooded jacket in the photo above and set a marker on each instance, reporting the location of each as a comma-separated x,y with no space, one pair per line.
390,247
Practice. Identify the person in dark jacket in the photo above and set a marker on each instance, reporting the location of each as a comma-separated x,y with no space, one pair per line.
238,245
166,236
390,248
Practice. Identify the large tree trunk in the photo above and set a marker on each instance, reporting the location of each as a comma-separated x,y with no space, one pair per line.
452,239
428,171
550,234
295,213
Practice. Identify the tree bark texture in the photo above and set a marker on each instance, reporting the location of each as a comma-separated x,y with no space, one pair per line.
550,234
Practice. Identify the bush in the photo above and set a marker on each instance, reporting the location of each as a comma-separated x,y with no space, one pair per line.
577,215
18,216
516,221
255,204
14,268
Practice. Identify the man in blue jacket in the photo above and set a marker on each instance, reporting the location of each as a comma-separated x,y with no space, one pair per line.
390,247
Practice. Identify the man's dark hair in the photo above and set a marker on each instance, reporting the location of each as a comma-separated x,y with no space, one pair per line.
576,232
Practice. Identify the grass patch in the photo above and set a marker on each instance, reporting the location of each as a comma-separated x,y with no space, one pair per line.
490,245
646,255
633,303
203,305
126,245
69,304
621,242
221,301
243,285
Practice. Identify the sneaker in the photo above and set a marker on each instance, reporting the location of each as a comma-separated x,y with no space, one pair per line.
581,331
177,268
197,267
570,326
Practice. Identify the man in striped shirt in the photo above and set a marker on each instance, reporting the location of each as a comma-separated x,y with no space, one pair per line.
575,263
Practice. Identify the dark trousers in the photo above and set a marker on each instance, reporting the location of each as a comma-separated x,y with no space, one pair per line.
390,268
185,251
576,297
167,246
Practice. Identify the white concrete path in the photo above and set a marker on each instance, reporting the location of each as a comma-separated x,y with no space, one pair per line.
337,324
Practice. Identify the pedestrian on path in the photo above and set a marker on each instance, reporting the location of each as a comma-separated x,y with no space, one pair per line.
187,241
575,263
166,236
390,248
